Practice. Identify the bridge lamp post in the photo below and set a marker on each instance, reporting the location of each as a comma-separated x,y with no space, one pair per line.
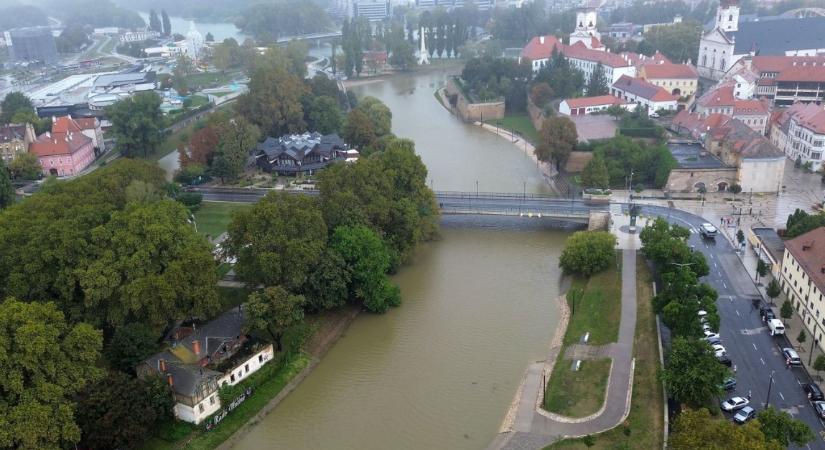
476,188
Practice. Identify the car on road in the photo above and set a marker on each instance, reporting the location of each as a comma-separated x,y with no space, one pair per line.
791,357
729,384
776,326
745,414
819,408
813,391
734,403
767,313
708,230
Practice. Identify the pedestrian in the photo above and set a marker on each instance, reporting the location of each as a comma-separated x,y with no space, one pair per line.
734,368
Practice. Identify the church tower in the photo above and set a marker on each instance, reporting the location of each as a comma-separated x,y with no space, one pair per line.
727,15
586,31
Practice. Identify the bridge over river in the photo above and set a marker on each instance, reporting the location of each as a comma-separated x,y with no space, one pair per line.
451,202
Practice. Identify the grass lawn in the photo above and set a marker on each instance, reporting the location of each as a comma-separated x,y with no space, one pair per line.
577,393
267,384
644,428
598,310
213,217
521,123
198,101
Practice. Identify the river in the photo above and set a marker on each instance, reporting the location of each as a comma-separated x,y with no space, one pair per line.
220,30
440,371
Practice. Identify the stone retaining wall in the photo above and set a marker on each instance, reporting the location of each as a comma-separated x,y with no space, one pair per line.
474,112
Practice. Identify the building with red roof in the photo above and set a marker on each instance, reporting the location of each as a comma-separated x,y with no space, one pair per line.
66,150
588,105
88,126
783,79
638,91
799,131
721,100
678,79
539,51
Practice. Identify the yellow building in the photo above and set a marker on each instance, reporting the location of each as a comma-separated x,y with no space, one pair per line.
803,280
677,79
15,139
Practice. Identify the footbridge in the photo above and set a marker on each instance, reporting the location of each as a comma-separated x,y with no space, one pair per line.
455,203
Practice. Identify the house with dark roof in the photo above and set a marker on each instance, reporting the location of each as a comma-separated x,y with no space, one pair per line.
640,92
300,153
803,281
200,358
14,140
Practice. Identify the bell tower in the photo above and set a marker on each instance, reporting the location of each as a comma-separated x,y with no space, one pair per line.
727,15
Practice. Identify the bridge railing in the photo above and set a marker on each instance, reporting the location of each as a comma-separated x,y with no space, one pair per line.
495,195
560,213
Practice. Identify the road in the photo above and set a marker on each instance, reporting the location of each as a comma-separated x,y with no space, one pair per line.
753,351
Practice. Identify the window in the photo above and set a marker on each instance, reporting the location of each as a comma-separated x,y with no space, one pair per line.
212,400
200,407
232,377
260,358
246,367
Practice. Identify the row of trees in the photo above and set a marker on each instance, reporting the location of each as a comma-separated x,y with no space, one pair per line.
488,78
563,80
800,222
615,158
121,263
160,24
771,430
268,22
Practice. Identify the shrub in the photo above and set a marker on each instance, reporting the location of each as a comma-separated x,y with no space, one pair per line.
588,252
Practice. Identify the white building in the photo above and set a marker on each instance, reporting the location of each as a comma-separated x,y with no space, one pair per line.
614,65
586,31
373,10
589,105
138,36
640,92
799,131
803,280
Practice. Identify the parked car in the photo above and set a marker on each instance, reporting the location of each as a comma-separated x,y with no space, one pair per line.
710,334
706,326
729,384
813,391
819,407
743,415
718,350
708,230
767,313
776,326
734,403
791,357
654,115
713,340
724,359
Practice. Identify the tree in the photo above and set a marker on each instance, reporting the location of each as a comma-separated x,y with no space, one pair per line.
368,261
403,56
328,284
819,363
167,24
588,252
12,104
379,114
273,102
773,290
695,429
597,84
278,240
324,115
202,145
801,337
761,269
121,411
45,362
540,94
130,345
359,131
693,375
805,224
595,174
154,21
558,137
740,237
779,427
274,310
236,138
25,166
735,189
786,311
209,37
137,124
6,188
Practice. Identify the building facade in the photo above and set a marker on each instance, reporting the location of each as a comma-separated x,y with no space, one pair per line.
372,10
14,140
799,131
33,44
299,153
588,105
636,91
678,79
803,280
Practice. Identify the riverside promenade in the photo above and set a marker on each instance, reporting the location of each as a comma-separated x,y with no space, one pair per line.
528,426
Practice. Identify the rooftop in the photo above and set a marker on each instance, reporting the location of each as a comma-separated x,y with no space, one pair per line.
693,156
807,115
541,47
644,89
809,251
48,144
670,71
771,242
775,37
580,51
600,100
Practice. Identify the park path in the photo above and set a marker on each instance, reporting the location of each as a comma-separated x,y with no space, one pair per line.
532,428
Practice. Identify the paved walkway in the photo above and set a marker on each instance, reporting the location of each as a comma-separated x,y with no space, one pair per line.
532,428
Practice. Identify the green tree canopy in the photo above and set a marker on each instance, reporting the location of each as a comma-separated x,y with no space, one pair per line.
6,188
780,427
274,311
130,345
650,164
137,124
44,362
328,284
121,411
588,252
378,113
324,115
597,84
273,102
278,240
693,374
558,137
359,130
12,104
697,430
595,174
368,261
25,166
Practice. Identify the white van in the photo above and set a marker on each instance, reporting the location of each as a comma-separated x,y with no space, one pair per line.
776,326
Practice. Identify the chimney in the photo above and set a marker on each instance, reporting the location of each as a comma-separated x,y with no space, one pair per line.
822,269
196,347
169,379
541,40
162,365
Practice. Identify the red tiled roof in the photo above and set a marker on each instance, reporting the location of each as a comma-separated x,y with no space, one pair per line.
674,71
721,96
809,251
48,144
580,51
541,47
87,123
802,73
780,63
65,124
595,42
600,100
749,107
808,115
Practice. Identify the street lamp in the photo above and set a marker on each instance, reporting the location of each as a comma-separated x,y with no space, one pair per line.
476,188
770,384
